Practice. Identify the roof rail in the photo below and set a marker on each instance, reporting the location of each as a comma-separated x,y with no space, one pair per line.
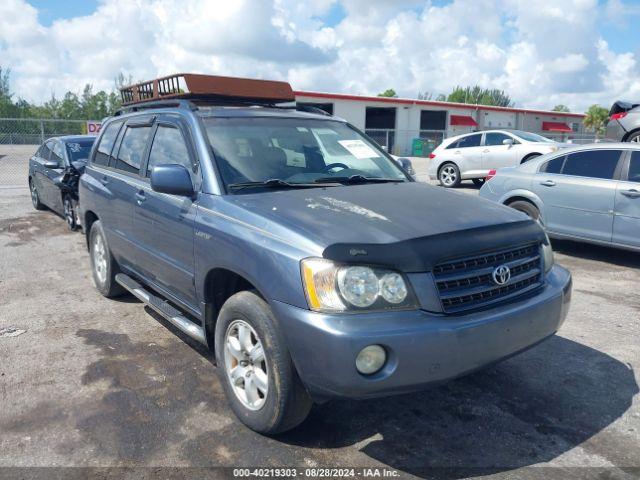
136,107
208,89
312,109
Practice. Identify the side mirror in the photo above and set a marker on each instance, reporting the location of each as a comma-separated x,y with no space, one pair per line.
172,179
51,164
508,141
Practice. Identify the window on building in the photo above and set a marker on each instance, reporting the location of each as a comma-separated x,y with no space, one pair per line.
433,120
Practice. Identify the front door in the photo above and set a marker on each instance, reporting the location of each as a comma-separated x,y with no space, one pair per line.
579,200
164,224
52,175
626,223
468,154
495,153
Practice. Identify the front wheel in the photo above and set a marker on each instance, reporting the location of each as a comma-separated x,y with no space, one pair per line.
449,175
255,368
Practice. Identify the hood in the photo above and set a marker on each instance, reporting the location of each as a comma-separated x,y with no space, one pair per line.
373,213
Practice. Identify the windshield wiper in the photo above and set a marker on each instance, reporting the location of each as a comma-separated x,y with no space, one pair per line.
358,179
279,183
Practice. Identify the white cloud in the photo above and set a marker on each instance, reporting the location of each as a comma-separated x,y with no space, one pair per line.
549,54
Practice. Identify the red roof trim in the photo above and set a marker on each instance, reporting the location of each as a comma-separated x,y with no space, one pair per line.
556,127
462,120
433,103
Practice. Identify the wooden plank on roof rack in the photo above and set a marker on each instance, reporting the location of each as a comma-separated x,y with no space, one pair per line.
191,86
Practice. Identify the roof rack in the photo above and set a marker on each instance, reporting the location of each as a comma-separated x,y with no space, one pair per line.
206,90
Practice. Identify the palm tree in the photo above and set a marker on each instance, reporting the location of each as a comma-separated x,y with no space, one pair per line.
596,119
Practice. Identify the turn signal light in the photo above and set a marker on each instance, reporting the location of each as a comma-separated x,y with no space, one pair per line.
490,175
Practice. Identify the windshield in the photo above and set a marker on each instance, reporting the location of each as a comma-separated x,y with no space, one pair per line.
531,137
79,150
296,151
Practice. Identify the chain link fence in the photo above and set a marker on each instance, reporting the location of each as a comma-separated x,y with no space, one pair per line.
19,140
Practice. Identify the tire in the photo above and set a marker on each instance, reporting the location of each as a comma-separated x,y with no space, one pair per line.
284,403
478,182
70,213
35,197
529,157
449,175
634,138
103,266
526,207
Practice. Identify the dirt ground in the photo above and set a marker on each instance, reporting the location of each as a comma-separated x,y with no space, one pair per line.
93,382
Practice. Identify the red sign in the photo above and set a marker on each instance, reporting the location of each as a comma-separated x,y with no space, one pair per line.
93,127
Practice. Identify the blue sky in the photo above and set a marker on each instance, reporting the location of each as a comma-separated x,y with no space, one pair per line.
541,52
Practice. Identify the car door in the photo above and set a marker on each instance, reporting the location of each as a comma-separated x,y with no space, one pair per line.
626,222
467,154
495,153
579,198
52,174
38,167
164,223
123,181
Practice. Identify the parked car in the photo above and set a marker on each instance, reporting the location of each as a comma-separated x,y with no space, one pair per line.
589,193
319,280
54,171
471,156
624,122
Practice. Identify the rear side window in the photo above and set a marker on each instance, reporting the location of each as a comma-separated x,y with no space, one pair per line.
168,147
132,149
106,144
470,141
592,164
634,167
553,166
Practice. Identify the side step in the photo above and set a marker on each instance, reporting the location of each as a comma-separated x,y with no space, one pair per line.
171,314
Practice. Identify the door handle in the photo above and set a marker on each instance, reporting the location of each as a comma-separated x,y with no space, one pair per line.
633,193
104,180
140,197
548,183
486,151
457,152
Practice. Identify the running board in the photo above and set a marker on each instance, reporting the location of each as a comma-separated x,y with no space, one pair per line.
171,314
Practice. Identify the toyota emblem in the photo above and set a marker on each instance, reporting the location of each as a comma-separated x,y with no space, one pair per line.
501,275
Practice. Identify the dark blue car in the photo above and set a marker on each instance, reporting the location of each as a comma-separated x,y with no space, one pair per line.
303,255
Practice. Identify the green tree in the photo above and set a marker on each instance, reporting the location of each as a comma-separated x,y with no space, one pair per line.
389,92
480,96
596,119
561,108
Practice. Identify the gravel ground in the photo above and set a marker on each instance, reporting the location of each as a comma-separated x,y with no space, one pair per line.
101,383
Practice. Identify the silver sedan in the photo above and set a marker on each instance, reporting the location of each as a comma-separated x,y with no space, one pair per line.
589,193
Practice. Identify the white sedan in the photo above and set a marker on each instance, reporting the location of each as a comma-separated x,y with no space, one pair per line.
473,155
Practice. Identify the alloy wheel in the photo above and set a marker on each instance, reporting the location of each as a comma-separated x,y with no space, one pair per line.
100,259
34,195
246,364
635,139
448,176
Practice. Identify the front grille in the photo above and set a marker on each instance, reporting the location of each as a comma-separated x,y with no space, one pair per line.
467,284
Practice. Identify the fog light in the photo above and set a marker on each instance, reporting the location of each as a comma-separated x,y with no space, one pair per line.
371,359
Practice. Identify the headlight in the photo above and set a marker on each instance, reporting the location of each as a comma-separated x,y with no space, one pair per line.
547,254
337,288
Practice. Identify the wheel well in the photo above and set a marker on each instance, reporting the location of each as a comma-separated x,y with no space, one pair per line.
628,135
520,199
444,164
89,219
530,156
219,285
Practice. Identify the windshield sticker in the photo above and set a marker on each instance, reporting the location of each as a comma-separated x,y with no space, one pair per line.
74,147
358,148
302,129
325,131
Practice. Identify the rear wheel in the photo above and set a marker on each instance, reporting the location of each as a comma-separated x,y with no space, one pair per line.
255,368
35,198
70,213
526,207
103,265
634,138
449,175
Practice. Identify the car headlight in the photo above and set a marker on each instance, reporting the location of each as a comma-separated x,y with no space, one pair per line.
547,254
331,287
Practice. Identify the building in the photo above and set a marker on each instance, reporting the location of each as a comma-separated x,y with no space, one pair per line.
396,123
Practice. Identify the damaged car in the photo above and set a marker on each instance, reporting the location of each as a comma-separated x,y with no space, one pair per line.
54,173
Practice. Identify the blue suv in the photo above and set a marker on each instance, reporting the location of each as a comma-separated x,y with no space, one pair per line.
302,254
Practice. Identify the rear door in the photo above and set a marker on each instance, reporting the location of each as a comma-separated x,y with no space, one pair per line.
38,168
579,200
626,223
467,153
495,153
123,182
163,223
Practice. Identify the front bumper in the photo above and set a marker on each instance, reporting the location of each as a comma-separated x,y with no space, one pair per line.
423,348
